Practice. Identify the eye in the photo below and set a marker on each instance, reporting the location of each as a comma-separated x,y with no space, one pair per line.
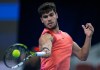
51,14
45,16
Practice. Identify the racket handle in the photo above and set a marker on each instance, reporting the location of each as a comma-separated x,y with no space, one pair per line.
40,53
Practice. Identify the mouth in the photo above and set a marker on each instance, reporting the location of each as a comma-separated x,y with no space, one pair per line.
50,23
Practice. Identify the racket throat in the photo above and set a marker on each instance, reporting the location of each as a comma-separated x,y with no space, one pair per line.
40,53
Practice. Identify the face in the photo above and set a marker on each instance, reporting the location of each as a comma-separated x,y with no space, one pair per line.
50,20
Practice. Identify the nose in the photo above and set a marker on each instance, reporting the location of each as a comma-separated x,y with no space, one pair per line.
49,18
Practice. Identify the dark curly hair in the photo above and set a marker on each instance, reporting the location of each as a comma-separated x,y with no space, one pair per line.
46,7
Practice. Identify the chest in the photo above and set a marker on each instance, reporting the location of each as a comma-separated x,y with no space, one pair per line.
63,39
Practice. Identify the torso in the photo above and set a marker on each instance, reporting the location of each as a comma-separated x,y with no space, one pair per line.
61,52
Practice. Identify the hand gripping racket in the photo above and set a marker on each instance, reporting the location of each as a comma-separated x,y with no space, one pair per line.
13,62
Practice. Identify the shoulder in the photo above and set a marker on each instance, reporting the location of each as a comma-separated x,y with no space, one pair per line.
46,36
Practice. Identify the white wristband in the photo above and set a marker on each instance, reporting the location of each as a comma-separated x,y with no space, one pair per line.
40,53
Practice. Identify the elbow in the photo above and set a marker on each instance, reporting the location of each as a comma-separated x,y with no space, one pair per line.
84,58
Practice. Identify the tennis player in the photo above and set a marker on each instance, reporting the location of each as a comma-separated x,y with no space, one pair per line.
57,44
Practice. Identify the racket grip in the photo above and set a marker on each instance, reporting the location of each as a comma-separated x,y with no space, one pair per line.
40,53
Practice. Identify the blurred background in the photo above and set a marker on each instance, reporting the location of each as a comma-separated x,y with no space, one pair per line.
20,22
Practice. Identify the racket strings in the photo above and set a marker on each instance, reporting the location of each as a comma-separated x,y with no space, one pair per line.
11,61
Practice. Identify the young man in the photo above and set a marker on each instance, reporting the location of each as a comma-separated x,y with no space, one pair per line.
57,44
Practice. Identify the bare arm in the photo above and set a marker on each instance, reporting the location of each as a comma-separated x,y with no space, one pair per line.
82,53
45,43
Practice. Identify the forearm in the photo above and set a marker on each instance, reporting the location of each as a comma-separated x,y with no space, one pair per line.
85,48
82,53
45,43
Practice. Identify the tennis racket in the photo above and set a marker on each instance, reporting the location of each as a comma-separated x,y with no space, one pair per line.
13,62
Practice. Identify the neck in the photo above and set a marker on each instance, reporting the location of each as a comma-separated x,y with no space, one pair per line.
56,30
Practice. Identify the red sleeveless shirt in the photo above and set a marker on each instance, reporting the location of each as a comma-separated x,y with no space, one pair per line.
61,52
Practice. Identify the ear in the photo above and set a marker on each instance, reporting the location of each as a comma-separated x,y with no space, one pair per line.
57,15
41,20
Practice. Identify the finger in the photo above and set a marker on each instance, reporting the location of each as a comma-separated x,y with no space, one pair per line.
83,27
90,26
87,25
91,29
